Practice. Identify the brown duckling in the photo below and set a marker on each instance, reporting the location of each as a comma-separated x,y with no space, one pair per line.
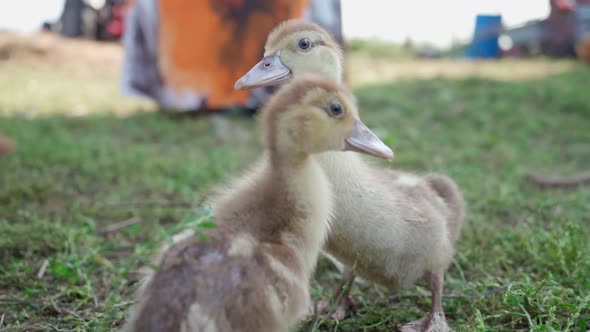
402,227
252,272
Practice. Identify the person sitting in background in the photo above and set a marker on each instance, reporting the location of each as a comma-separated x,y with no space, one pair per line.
186,55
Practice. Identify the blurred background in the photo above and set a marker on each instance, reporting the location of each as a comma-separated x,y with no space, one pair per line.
118,117
163,59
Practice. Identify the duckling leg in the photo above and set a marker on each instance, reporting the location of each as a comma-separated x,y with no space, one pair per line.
342,295
435,321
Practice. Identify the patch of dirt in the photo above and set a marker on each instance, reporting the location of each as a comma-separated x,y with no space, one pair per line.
368,70
49,47
6,145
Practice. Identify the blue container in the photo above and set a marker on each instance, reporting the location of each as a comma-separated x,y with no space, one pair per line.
485,37
582,20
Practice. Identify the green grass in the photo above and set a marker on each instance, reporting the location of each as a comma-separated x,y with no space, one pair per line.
522,264
376,48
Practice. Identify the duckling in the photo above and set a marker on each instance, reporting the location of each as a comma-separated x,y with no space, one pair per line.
252,272
402,227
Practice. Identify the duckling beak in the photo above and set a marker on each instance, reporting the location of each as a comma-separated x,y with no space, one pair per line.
269,71
363,140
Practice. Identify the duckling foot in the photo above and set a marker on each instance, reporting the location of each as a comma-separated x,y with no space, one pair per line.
345,302
337,312
435,321
428,323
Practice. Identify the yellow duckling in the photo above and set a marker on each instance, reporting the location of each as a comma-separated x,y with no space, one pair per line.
401,227
252,273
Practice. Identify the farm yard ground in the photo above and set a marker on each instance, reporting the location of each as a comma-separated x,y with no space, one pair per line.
89,159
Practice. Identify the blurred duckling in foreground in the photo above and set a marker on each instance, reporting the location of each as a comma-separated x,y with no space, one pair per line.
252,273
402,227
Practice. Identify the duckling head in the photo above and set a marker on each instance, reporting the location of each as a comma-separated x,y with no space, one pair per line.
293,48
312,114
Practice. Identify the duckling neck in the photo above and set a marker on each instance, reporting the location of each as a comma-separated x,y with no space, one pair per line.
309,192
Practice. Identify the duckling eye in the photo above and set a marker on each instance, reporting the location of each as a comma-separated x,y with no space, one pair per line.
304,43
335,110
